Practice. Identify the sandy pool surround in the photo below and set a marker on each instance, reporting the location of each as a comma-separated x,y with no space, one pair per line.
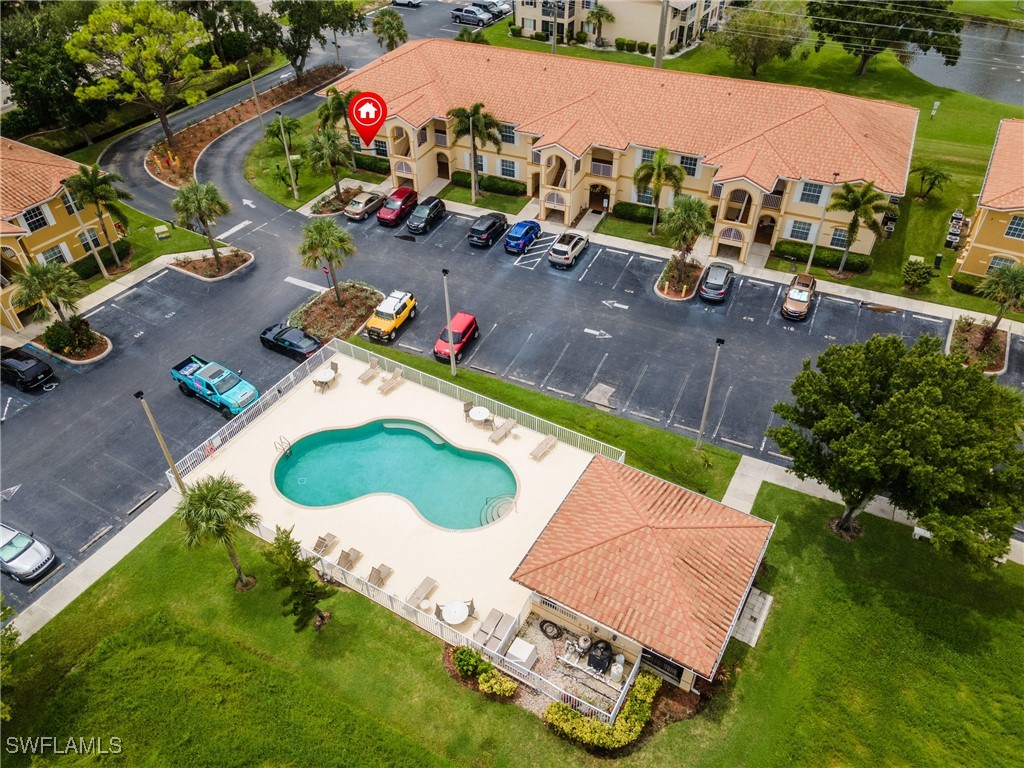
474,563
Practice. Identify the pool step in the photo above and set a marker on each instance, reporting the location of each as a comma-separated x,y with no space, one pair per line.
409,426
496,508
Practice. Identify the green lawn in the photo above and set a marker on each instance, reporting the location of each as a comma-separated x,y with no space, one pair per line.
631,230
875,653
265,156
504,203
994,9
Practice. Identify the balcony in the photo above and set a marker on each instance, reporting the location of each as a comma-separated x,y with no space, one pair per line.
603,170
772,202
716,191
440,139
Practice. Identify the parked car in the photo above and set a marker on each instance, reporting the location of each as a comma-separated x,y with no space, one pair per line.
799,297
294,342
408,3
398,205
472,15
22,369
429,212
715,283
487,229
495,8
464,330
363,204
567,248
22,556
521,236
390,315
214,383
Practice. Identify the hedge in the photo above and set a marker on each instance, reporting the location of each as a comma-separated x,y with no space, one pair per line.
496,184
633,212
964,283
793,250
625,730
643,48
581,37
541,36
87,267
631,46
373,163
515,31
620,43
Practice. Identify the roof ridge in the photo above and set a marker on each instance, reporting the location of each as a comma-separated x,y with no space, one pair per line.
782,121
860,146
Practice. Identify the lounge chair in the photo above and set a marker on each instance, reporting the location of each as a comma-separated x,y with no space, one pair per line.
472,609
422,592
371,372
324,543
544,448
391,382
379,575
500,631
487,627
349,558
466,408
503,431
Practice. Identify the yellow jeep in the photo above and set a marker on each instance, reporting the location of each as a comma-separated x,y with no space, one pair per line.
389,316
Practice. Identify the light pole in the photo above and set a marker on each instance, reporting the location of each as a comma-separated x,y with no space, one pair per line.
287,154
824,210
337,50
659,55
707,399
448,318
160,439
255,97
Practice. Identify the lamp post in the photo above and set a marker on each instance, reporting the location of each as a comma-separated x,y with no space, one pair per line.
287,154
86,240
255,97
160,439
448,318
707,399
659,55
824,210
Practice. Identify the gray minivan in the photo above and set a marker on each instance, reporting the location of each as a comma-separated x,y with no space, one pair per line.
22,556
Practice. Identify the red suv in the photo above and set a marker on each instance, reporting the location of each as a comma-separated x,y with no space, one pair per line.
464,330
399,204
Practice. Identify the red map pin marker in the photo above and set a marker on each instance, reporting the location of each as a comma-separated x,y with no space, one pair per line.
367,112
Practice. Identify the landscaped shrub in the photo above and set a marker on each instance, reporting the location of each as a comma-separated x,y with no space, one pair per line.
643,48
654,50
373,163
675,49
964,283
581,37
461,179
515,31
470,663
69,338
633,212
620,43
917,274
87,268
237,45
541,36
204,51
497,684
593,733
631,46
829,258
496,184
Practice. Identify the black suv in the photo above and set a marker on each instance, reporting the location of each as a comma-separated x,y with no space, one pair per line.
428,213
487,229
21,369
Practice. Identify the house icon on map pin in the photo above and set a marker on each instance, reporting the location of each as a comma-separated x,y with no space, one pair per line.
367,111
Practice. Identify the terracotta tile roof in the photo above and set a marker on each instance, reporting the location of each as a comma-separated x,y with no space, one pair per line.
758,130
656,562
1003,188
7,228
28,176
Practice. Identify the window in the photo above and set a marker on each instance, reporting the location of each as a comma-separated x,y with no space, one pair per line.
530,24
89,236
588,4
1016,228
508,169
70,201
535,156
800,230
838,238
508,134
690,164
1000,261
421,137
354,141
811,193
646,197
646,155
53,254
529,3
380,148
35,219
480,164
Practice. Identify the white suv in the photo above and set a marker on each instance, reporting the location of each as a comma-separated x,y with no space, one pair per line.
567,248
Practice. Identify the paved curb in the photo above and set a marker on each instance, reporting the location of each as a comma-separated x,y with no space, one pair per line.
70,361
228,276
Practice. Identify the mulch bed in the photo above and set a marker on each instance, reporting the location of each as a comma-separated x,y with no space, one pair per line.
207,267
850,535
324,318
689,283
177,166
98,348
971,341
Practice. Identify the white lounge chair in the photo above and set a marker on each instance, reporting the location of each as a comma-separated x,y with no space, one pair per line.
483,634
422,592
544,447
391,382
380,574
500,631
324,543
371,372
503,431
349,558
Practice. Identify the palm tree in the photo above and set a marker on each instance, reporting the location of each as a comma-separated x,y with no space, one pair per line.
480,126
932,177
218,508
324,241
1005,286
91,187
656,174
327,150
688,219
598,16
467,35
203,201
864,202
273,130
389,29
49,285
335,109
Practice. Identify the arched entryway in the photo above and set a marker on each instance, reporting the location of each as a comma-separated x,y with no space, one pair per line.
738,206
600,198
765,229
403,174
554,206
442,166
730,244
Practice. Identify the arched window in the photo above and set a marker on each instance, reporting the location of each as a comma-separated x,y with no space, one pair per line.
554,200
403,167
731,233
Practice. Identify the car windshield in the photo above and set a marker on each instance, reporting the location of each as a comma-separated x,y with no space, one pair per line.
421,211
393,204
384,315
226,384
13,548
799,294
457,335
356,204
20,363
298,339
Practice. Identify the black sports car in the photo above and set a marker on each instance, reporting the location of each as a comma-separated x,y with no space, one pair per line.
294,342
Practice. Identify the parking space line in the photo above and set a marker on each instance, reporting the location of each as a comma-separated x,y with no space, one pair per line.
599,250
635,387
622,273
721,418
527,382
100,308
737,442
509,367
157,276
126,294
225,235
621,253
561,392
480,344
463,217
304,284
545,380
593,379
679,396
757,282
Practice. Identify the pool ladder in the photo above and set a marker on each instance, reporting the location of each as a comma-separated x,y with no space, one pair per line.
284,445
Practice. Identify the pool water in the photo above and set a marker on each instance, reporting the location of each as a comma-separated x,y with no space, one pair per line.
449,486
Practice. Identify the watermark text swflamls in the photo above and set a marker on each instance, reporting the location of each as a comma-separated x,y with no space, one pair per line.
59,745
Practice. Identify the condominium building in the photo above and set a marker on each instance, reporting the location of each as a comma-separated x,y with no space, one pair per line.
766,157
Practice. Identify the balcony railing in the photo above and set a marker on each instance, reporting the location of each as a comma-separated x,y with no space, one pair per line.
441,139
716,191
601,169
772,202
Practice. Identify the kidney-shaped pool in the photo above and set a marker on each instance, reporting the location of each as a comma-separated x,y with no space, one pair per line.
451,487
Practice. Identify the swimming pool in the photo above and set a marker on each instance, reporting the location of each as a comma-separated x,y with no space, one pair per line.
450,487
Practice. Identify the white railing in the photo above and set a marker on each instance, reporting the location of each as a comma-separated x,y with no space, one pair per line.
446,633
441,139
716,191
601,169
454,391
625,689
772,202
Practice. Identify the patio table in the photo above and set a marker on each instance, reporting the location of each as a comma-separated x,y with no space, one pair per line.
479,414
455,613
322,378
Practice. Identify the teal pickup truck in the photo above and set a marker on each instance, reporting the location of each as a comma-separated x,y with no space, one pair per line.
225,390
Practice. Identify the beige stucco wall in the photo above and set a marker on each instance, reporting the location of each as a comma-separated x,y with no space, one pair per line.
988,239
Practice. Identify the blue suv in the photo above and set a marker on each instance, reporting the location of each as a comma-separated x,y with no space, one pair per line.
521,236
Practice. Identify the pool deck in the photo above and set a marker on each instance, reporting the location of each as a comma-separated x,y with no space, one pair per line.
473,564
